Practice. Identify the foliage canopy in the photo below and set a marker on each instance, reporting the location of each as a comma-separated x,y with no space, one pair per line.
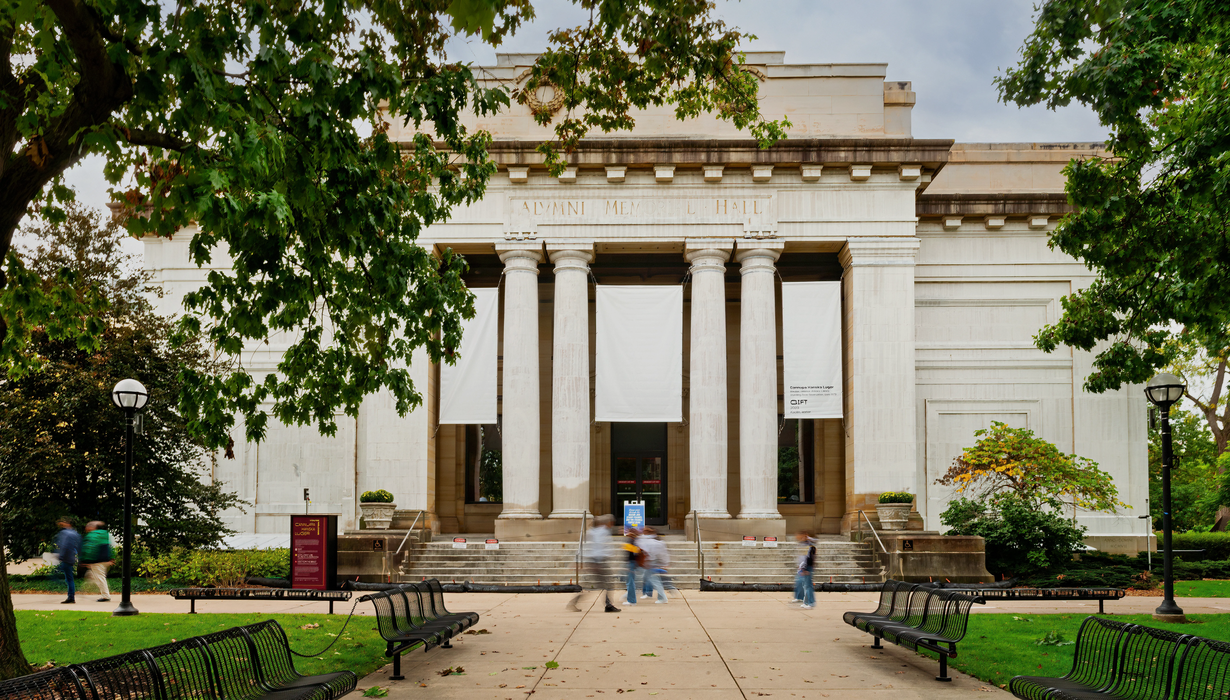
1151,221
1014,460
61,439
242,124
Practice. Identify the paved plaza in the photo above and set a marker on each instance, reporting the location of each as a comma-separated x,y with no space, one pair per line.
701,645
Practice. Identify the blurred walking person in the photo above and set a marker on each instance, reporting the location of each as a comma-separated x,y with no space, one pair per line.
658,558
636,561
804,590
595,561
98,554
68,544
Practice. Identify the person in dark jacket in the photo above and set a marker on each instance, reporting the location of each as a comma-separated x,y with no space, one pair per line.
68,545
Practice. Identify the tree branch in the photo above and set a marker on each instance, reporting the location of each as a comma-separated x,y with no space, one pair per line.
145,137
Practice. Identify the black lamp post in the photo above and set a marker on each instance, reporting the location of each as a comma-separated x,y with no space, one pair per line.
1164,390
131,396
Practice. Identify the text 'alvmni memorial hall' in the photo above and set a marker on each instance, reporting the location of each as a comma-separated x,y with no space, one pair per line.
768,339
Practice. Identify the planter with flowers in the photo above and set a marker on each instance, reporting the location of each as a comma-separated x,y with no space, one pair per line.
894,509
377,509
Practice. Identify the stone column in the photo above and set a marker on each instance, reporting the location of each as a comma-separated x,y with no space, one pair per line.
707,419
758,380
570,380
881,443
521,432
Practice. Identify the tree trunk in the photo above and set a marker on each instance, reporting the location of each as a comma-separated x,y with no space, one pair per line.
12,661
1222,519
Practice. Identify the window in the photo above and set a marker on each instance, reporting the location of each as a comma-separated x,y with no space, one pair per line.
484,464
796,474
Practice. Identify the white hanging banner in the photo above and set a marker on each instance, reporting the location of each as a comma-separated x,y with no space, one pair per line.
468,387
811,346
639,354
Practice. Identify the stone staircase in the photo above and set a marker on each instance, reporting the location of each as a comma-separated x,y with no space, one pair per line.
531,563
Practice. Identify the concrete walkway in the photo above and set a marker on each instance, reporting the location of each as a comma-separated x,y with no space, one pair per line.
702,645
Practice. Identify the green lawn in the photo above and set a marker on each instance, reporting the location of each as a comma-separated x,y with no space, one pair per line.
1202,589
67,637
999,646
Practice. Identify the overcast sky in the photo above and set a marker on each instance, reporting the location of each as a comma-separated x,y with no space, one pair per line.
950,49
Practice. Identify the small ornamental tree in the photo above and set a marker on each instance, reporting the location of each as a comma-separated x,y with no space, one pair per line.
1013,486
1013,460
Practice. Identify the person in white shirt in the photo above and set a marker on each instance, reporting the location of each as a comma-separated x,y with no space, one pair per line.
658,558
594,561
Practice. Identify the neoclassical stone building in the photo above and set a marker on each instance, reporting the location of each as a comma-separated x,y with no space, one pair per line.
940,251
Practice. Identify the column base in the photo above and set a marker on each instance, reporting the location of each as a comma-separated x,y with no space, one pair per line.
568,514
540,530
760,515
734,529
519,515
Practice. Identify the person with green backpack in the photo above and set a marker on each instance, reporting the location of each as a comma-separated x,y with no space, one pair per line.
98,554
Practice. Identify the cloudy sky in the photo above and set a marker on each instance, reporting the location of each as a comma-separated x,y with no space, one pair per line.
950,49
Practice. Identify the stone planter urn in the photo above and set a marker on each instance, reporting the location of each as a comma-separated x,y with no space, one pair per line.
893,516
377,516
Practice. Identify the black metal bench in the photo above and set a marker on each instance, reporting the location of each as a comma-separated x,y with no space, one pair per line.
413,615
241,663
300,594
1099,594
917,617
1122,660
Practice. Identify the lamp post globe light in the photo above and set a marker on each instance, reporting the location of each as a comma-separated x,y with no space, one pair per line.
1164,390
130,396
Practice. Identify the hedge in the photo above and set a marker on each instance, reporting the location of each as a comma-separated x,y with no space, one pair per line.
1216,545
216,567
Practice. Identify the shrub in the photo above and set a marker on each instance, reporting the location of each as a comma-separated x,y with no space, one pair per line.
377,496
217,567
1021,539
896,497
1216,545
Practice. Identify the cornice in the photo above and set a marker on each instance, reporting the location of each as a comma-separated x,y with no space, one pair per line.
930,153
986,204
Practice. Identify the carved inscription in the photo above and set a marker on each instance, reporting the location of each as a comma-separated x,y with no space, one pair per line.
644,210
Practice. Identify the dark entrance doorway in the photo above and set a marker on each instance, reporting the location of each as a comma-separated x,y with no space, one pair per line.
638,469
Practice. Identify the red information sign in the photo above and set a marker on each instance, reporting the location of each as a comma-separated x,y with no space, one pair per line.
313,551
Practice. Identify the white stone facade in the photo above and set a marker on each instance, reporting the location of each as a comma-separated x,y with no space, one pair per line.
946,276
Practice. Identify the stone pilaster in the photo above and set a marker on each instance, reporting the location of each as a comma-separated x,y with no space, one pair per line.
522,435
570,380
881,442
758,380
707,398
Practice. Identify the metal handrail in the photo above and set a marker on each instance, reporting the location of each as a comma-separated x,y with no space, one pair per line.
403,540
581,545
873,531
700,554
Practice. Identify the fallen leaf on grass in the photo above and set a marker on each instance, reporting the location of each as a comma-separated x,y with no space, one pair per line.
310,626
482,631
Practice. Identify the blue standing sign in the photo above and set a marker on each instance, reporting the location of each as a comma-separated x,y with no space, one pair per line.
634,514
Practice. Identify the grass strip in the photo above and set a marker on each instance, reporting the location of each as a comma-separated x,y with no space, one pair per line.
67,637
999,646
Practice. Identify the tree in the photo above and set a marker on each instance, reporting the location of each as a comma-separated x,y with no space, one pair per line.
241,117
1013,460
244,118
1195,482
61,439
1021,539
1151,221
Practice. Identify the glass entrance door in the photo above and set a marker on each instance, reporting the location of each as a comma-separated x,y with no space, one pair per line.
641,478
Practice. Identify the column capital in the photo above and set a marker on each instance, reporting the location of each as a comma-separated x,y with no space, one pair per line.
708,254
877,251
520,256
758,256
571,255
